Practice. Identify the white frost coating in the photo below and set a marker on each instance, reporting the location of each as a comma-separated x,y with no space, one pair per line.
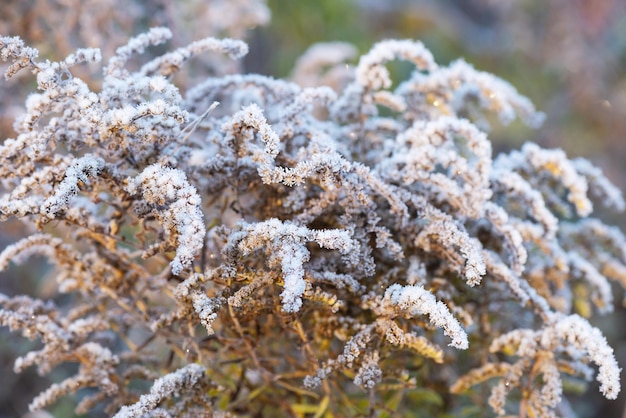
83,55
334,239
14,48
494,93
444,231
206,309
519,189
287,242
371,72
42,244
525,341
322,95
164,186
600,186
532,161
251,118
80,170
173,61
426,147
293,257
415,300
138,44
555,161
513,241
602,295
577,332
369,373
173,384
286,239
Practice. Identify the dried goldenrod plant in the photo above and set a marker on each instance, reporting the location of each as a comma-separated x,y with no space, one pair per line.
249,247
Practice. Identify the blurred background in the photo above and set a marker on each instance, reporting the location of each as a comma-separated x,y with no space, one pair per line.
567,56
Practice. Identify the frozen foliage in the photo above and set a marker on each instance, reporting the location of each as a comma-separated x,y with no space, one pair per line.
180,382
546,353
285,246
248,233
414,300
80,170
167,188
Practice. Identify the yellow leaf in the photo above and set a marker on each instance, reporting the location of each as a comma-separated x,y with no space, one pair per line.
322,407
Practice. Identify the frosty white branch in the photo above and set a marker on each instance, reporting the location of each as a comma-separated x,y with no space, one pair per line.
177,204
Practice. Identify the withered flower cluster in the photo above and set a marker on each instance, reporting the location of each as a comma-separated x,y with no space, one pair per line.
249,246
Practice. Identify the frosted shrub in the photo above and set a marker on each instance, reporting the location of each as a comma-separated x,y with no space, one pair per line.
249,246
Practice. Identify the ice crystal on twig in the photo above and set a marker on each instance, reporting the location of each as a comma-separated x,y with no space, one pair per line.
165,187
415,300
182,380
